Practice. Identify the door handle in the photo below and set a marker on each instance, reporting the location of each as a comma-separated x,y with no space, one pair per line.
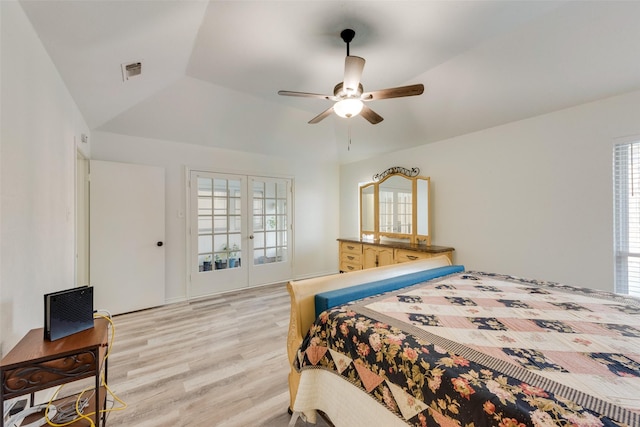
251,237
159,244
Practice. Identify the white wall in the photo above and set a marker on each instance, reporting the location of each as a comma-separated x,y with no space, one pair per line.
315,200
531,198
39,125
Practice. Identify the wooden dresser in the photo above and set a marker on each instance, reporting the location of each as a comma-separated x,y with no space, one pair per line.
356,254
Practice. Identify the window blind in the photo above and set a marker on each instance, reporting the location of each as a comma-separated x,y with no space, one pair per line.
626,169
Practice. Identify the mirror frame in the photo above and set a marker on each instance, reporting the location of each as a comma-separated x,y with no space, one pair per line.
413,176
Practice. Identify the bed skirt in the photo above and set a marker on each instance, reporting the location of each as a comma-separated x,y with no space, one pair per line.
318,390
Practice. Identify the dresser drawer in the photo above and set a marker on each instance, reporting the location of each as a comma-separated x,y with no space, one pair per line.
351,248
403,255
350,258
347,266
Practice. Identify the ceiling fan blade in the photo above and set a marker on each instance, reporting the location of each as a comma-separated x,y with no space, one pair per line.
395,92
305,94
353,66
319,117
373,117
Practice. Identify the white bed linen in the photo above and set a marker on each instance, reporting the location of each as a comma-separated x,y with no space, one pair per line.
345,404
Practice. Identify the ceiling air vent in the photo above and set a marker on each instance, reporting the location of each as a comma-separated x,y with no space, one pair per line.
131,70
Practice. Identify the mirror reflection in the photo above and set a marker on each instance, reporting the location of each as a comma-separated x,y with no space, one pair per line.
395,205
422,202
367,201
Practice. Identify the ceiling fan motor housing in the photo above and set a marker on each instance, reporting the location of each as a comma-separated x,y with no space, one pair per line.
339,93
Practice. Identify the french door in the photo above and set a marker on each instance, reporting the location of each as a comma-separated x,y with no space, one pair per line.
240,231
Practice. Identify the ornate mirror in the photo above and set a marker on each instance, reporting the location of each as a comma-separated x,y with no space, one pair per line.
396,205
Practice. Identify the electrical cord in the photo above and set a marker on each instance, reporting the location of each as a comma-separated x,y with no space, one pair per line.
78,411
104,382
67,411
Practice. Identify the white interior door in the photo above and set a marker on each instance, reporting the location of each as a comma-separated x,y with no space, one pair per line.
233,246
127,228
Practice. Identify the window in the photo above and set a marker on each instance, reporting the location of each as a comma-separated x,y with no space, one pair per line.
626,171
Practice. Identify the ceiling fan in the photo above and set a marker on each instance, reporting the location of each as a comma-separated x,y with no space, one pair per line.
349,95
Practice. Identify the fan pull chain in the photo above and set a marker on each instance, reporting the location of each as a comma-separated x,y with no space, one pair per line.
349,145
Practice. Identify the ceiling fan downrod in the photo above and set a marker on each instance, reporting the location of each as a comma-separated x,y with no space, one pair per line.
347,35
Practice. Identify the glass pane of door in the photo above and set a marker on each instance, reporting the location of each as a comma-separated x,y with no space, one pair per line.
219,223
270,222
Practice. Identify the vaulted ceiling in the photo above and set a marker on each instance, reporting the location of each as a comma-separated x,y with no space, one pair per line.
211,69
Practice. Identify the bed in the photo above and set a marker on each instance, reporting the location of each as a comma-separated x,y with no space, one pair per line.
463,348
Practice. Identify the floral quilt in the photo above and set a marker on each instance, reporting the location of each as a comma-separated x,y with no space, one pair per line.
476,349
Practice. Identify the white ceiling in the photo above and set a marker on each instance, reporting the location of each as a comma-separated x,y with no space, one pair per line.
211,69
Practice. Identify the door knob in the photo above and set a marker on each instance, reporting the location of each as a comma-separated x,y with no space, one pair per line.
251,237
159,244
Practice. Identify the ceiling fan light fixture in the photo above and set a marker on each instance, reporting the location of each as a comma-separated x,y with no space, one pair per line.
348,108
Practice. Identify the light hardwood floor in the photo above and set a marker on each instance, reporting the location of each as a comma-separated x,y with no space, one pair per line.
219,361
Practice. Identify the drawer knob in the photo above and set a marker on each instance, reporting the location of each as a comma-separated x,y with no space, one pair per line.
412,257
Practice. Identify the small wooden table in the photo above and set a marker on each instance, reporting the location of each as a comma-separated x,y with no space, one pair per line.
36,364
